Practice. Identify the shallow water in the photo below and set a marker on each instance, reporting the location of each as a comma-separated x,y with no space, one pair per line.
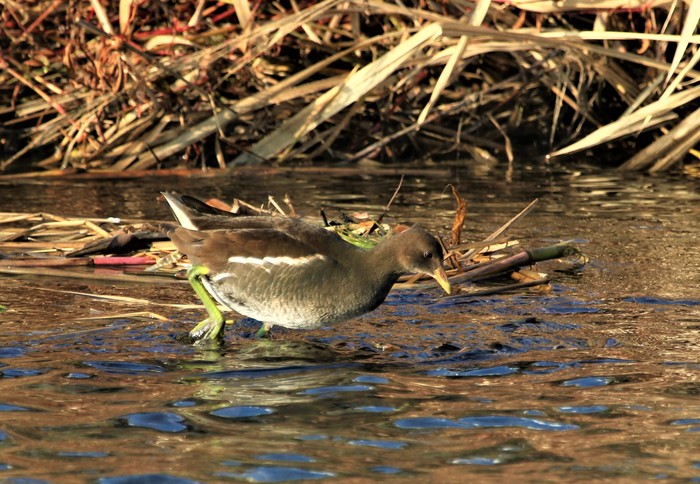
597,380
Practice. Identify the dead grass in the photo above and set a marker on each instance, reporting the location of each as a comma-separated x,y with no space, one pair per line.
143,85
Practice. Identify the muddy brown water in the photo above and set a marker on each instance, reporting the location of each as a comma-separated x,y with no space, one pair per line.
597,380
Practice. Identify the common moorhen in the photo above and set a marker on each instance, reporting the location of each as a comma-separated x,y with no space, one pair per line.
286,272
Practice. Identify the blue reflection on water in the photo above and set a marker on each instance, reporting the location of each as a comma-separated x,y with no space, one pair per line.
589,381
582,409
661,301
244,411
485,421
127,367
336,389
11,351
160,421
381,444
476,372
6,407
277,474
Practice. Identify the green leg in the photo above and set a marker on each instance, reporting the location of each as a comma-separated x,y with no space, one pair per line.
264,331
212,327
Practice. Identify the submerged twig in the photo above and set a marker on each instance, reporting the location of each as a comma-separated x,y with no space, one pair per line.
502,289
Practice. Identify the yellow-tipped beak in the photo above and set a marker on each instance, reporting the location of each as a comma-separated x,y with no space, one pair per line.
440,276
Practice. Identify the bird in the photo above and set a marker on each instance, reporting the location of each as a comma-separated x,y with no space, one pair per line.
287,272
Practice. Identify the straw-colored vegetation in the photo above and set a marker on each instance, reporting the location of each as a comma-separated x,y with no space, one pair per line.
50,245
145,84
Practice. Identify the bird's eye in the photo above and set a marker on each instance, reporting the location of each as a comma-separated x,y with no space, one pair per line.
428,255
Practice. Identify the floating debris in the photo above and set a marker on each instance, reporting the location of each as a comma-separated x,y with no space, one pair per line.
51,245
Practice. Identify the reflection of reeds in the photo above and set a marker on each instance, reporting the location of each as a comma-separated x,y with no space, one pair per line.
129,87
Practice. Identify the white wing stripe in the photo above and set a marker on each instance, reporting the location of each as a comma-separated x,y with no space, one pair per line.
277,261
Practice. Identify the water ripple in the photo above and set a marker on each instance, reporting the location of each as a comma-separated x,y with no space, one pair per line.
6,407
385,470
146,479
485,421
661,301
589,381
582,409
90,455
241,412
336,389
126,367
380,444
22,372
375,409
11,352
423,423
277,474
286,457
160,421
476,372
500,421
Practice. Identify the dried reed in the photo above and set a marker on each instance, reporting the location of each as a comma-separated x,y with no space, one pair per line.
128,86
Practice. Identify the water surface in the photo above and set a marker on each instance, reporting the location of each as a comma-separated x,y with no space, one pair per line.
598,379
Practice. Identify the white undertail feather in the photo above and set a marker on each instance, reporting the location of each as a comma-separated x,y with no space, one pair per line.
181,216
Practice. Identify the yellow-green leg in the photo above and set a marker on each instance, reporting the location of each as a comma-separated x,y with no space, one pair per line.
212,327
264,331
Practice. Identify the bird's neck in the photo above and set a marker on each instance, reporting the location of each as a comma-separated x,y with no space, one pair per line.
380,270
383,260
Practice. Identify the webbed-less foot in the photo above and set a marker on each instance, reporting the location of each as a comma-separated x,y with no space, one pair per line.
212,327
207,329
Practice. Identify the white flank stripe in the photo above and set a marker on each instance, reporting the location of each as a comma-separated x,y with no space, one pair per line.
220,276
277,261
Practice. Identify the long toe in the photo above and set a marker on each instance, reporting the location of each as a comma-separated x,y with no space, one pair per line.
208,329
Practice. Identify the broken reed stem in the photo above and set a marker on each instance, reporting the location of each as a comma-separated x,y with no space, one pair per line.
469,254
391,200
460,215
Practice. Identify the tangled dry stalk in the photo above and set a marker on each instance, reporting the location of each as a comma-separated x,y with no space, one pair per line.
147,84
